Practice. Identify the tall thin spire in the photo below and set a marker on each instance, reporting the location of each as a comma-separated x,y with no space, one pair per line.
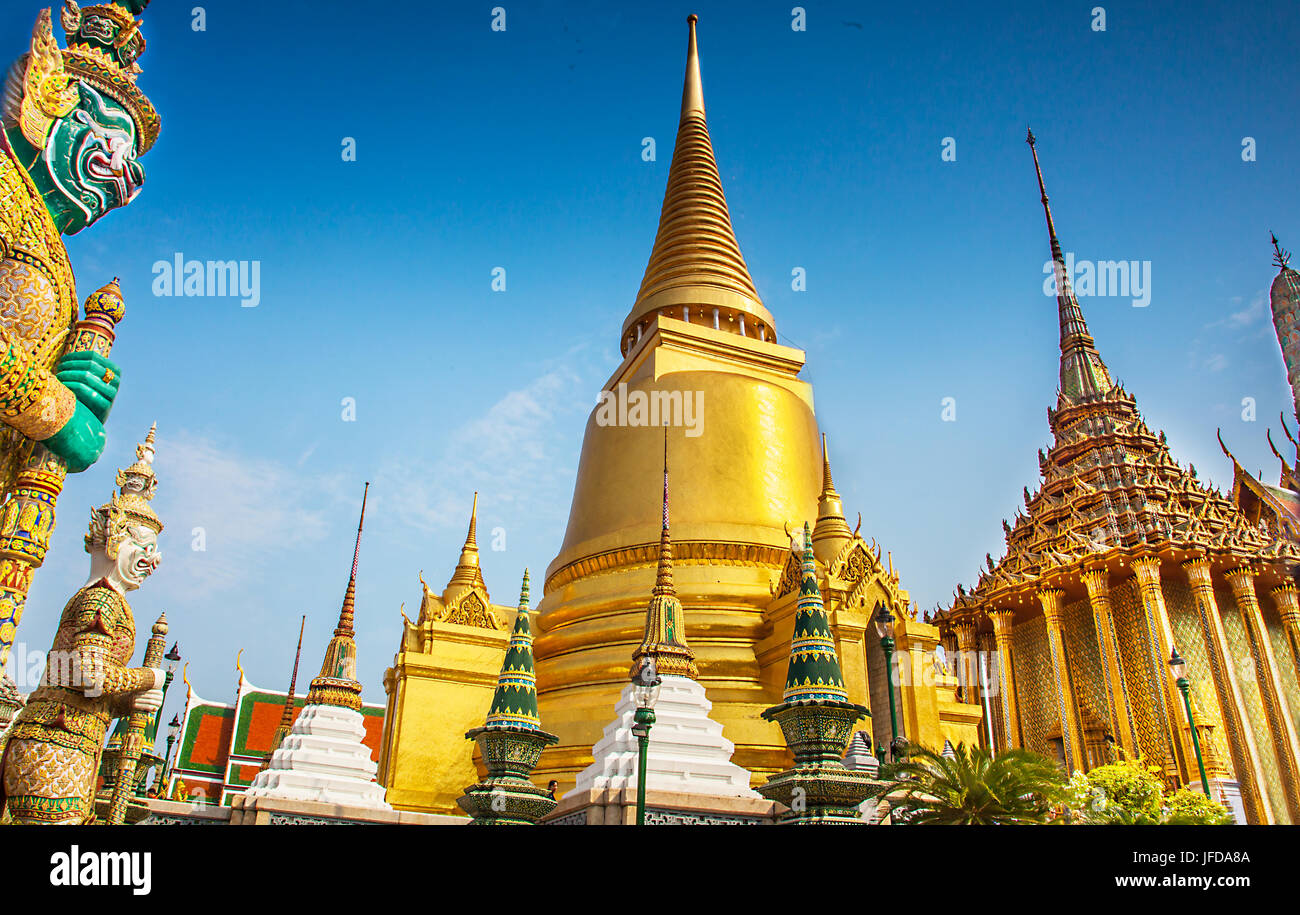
664,577
664,638
337,683
696,262
350,595
468,571
831,531
1284,299
286,716
1083,374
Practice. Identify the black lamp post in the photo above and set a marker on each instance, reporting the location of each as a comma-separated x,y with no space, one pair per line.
1178,667
885,629
646,692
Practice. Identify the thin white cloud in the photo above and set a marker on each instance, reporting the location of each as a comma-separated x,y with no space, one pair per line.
244,511
522,451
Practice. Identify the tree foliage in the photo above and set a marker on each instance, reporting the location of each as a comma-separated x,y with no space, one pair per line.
972,788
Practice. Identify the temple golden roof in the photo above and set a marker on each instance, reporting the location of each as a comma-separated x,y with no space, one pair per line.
1110,486
696,260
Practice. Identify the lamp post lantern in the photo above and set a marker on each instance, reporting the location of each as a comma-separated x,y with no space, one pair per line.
1178,667
885,629
646,690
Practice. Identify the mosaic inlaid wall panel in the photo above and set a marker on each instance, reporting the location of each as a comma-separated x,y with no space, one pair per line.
1285,659
1080,632
1135,659
1245,664
1185,621
1034,685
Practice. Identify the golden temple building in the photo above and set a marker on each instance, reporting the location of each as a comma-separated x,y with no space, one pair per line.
1121,556
752,468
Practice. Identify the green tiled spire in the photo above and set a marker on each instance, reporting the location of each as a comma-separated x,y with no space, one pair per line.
814,673
515,701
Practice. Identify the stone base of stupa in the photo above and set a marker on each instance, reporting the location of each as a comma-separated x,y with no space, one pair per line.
687,754
617,807
322,759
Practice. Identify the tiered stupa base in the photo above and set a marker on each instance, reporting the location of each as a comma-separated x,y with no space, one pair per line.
506,797
819,789
323,759
687,752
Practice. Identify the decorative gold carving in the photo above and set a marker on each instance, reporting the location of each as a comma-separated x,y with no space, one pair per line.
470,610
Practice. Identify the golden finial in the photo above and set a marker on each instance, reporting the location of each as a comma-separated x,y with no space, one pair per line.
692,88
467,567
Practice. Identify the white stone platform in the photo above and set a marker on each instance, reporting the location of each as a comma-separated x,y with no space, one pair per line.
687,752
323,759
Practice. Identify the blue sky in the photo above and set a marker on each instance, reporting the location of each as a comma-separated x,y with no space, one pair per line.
522,149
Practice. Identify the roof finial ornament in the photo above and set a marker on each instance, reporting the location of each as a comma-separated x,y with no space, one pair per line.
1083,374
1281,256
693,88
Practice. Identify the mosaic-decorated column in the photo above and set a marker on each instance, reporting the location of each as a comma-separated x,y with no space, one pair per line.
967,654
1280,726
1002,620
1241,742
1120,713
1159,638
1071,735
1286,598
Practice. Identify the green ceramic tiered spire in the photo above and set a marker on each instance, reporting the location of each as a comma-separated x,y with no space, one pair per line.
814,673
816,718
511,740
515,701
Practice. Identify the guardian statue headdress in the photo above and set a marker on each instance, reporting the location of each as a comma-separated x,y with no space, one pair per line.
129,506
104,43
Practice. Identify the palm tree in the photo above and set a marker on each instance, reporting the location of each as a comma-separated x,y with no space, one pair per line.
972,787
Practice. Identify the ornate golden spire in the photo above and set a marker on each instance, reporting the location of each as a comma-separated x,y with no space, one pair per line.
665,626
337,683
467,567
832,531
1083,374
696,262
286,717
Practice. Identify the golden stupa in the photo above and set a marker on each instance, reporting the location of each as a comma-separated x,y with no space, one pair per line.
699,355
697,327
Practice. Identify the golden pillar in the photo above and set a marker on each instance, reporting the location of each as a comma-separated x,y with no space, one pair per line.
1159,638
1287,599
1241,742
1002,619
967,659
1097,581
1071,734
1280,725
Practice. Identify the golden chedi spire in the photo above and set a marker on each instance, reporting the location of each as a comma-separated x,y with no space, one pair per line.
831,532
749,437
1083,374
665,625
696,264
337,683
468,572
